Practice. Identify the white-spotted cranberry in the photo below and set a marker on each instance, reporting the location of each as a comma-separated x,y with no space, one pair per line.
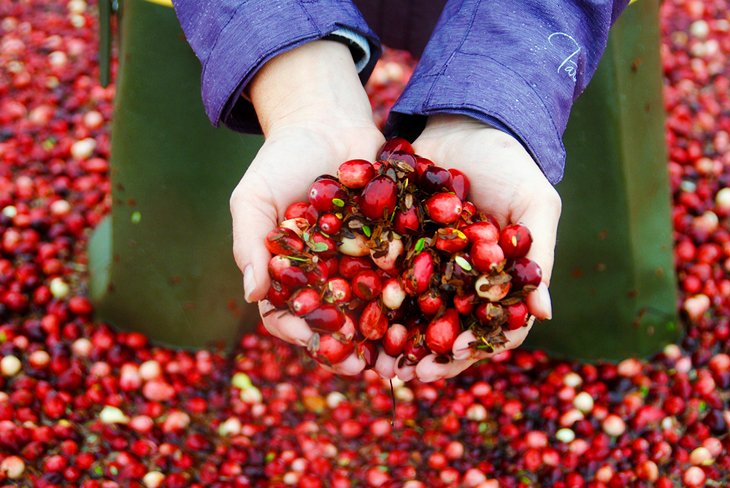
373,321
337,290
493,287
355,173
304,301
330,223
387,260
394,340
393,294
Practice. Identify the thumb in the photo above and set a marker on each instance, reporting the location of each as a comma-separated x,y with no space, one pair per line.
253,218
541,217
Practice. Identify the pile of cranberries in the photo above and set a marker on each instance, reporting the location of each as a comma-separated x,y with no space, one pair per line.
393,256
82,404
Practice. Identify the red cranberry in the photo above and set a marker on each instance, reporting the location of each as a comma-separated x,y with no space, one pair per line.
327,195
460,183
373,321
515,240
326,318
525,273
435,179
444,208
378,198
355,173
442,331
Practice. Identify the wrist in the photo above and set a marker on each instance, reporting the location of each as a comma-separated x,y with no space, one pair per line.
443,125
314,82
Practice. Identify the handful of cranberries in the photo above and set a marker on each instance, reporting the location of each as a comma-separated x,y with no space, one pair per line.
391,255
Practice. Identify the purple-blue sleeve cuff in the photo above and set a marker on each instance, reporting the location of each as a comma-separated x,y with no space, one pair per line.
517,66
233,39
504,98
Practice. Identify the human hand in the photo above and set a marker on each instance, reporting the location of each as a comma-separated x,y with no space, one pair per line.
507,184
315,114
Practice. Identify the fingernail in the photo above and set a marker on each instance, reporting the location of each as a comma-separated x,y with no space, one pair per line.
544,299
249,283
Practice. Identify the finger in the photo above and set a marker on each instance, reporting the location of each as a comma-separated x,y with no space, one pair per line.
429,369
350,366
284,325
541,217
405,370
539,302
515,338
457,367
385,365
253,218
464,347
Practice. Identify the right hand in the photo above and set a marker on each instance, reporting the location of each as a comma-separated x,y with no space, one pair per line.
315,114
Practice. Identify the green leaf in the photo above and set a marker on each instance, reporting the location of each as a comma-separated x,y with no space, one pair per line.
295,258
318,246
366,231
337,202
420,243
3,337
463,263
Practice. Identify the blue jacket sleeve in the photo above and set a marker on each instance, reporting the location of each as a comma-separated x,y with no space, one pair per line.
516,65
234,38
